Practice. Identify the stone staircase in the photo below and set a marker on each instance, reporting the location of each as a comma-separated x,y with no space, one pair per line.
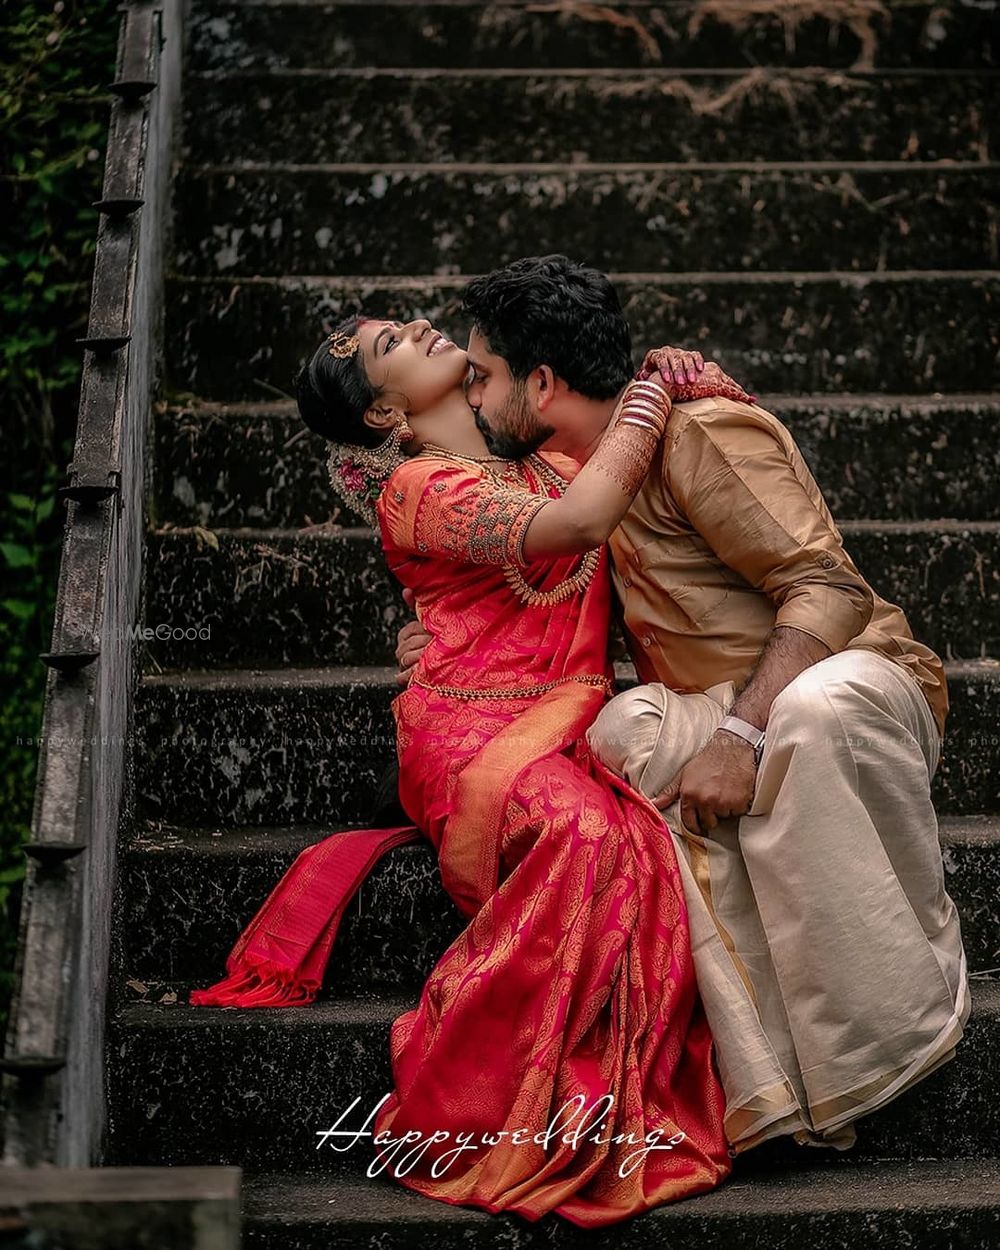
809,201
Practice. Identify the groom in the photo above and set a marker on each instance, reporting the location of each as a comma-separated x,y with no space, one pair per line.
730,568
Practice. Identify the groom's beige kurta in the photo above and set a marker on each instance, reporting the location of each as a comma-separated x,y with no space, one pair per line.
828,951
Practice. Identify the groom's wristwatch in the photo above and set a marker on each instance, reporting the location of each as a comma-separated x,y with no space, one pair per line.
750,733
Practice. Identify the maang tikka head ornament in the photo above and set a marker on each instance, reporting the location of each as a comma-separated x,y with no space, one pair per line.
344,346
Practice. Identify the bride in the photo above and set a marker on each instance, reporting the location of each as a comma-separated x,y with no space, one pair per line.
572,985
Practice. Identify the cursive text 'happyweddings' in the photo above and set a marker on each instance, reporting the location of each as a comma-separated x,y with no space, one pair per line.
395,1150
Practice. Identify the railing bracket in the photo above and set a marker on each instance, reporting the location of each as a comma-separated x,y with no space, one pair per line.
88,493
52,854
119,207
32,1065
104,344
132,89
68,661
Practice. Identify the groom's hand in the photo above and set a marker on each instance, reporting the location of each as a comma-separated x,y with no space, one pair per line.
410,643
713,785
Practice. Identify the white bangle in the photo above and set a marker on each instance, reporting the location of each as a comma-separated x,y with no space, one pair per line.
640,421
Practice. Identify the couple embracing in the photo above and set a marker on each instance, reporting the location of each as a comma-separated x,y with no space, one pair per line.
712,905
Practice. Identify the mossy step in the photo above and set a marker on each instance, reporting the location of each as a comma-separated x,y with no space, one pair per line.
188,893
949,1204
759,114
897,457
414,219
239,598
291,746
253,1087
802,333
263,33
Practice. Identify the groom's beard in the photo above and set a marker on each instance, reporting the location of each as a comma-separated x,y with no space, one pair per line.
514,431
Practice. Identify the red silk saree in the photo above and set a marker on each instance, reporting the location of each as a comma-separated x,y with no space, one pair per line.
574,978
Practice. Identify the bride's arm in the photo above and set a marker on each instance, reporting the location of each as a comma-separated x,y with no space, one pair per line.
601,493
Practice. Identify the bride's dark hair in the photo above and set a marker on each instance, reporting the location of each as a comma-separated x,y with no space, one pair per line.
333,395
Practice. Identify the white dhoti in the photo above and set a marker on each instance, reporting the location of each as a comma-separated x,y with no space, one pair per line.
827,950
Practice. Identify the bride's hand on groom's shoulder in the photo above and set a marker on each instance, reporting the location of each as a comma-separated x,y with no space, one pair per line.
410,643
687,376
715,382
674,365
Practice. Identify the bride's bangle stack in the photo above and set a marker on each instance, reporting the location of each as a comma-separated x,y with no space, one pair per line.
646,405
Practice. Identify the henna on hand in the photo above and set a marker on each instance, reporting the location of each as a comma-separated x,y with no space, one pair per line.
674,364
712,383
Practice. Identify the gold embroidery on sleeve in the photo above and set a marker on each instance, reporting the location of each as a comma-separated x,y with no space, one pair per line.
489,530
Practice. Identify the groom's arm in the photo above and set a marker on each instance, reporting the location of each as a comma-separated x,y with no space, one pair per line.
787,652
731,474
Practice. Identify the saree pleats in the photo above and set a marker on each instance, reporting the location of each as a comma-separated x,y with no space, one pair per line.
574,980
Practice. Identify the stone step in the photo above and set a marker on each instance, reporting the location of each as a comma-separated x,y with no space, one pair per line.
188,893
830,1202
245,338
759,114
418,219
307,746
236,598
264,34
901,457
195,1085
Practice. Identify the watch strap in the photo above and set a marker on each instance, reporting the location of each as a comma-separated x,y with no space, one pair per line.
743,729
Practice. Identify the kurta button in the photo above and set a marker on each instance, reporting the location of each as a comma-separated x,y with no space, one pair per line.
828,562
627,581
646,640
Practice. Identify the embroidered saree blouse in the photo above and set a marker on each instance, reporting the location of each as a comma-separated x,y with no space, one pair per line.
448,530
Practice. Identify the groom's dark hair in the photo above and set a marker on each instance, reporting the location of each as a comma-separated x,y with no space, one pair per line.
550,310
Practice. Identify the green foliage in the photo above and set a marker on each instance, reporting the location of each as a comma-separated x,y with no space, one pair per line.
56,60
25,560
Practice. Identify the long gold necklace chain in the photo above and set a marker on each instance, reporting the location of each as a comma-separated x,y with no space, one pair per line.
559,593
577,581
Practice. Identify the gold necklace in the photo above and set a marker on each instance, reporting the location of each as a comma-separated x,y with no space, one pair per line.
432,449
561,591
577,581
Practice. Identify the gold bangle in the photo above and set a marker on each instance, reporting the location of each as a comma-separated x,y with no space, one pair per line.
635,413
648,390
643,410
643,401
642,423
648,401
